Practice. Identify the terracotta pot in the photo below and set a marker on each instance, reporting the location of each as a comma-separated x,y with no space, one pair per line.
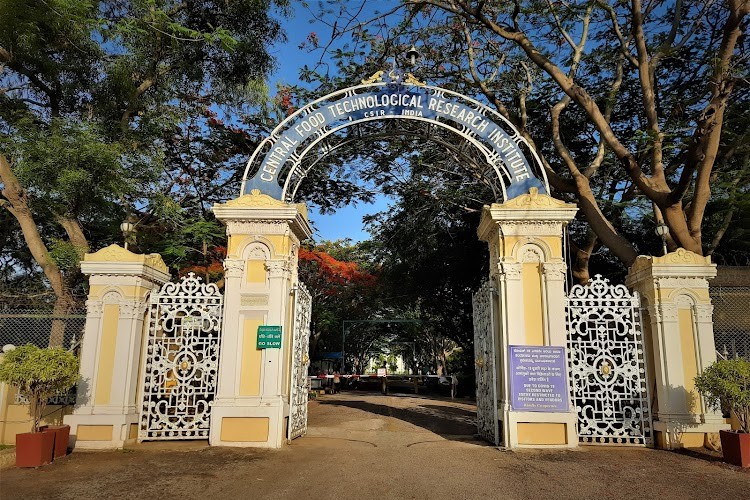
736,447
62,436
34,448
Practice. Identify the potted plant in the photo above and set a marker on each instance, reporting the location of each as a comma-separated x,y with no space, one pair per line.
726,383
38,374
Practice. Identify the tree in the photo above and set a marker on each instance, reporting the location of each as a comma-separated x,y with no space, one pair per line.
39,374
101,106
341,289
726,384
637,100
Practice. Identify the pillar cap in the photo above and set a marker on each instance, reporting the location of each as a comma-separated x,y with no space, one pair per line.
532,205
680,263
529,208
115,260
257,206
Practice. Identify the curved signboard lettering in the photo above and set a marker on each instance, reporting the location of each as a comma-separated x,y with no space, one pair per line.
296,136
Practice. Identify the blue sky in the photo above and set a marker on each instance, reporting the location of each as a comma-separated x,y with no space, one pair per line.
347,221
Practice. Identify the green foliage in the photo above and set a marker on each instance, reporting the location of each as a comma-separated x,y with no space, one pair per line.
392,364
727,382
39,374
503,77
65,254
69,167
138,108
342,289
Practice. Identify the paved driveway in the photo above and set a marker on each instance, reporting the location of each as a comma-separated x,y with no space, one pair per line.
367,446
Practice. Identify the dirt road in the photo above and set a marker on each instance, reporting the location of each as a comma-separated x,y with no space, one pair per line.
369,446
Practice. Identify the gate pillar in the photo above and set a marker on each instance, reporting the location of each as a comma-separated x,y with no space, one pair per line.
106,412
525,237
252,398
679,339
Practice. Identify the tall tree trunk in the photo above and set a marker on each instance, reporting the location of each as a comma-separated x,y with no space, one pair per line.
75,233
582,256
16,203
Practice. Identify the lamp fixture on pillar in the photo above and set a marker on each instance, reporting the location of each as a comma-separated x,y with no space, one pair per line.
127,229
662,230
412,55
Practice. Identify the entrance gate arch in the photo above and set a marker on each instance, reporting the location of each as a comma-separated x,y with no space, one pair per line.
278,163
261,398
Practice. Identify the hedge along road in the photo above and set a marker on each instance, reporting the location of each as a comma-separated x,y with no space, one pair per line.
363,445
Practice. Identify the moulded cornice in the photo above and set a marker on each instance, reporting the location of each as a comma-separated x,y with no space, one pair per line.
528,214
255,199
529,208
115,253
257,207
116,261
534,200
679,264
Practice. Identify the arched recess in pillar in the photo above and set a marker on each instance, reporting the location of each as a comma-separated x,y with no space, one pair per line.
684,298
112,295
255,254
387,105
541,250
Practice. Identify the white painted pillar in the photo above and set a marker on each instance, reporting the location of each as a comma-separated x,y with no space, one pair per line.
679,342
252,401
525,236
107,410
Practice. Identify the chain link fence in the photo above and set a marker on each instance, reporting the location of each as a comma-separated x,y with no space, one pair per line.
34,326
731,320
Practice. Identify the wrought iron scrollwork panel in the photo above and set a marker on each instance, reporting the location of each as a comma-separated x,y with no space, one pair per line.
182,360
607,366
300,363
484,362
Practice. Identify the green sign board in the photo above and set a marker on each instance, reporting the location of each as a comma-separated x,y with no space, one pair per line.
269,337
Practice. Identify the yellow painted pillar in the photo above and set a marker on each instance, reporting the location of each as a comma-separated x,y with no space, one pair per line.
679,341
525,237
252,399
107,409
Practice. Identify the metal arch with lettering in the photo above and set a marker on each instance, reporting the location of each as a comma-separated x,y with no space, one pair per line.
389,97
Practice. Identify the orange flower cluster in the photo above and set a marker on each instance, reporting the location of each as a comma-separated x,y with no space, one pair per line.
335,271
214,267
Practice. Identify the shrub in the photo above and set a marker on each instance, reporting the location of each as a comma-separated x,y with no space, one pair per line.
728,382
39,374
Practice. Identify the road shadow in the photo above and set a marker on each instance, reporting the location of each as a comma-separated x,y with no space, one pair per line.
451,423
700,454
461,413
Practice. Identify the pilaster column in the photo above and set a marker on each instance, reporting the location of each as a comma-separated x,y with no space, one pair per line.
525,237
252,399
679,342
106,412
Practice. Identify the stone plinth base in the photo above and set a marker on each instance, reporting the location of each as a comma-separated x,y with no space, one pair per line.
102,432
528,429
679,432
248,422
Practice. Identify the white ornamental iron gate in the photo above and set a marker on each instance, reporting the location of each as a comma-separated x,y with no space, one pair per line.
181,360
607,368
298,393
484,356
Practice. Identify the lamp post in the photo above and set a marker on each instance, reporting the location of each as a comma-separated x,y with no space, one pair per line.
662,230
412,55
127,229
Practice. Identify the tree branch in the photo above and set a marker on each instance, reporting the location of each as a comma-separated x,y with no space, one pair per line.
646,77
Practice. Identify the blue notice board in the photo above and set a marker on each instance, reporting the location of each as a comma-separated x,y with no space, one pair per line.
538,378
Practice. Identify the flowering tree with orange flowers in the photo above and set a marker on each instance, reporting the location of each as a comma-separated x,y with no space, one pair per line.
341,289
